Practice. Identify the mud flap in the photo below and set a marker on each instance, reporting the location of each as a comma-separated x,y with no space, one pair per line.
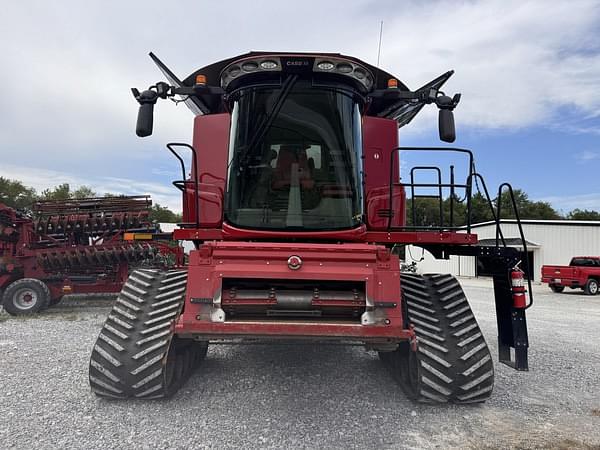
512,324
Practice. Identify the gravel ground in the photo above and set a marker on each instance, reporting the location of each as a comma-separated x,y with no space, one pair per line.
287,396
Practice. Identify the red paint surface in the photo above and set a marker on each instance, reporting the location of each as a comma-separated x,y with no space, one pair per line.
356,235
571,276
380,136
369,264
211,141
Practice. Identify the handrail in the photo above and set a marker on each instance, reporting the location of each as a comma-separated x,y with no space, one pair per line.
521,233
468,186
194,174
496,218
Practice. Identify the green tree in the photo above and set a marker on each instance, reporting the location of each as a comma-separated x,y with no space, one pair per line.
64,192
60,192
15,194
83,191
583,214
163,214
480,209
527,209
427,210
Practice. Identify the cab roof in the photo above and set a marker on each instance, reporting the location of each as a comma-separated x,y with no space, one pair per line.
213,71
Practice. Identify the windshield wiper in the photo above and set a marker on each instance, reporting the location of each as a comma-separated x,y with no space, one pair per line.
268,120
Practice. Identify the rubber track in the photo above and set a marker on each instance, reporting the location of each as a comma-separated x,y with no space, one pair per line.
136,354
453,362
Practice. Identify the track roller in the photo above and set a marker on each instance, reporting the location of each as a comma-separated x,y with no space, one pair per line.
136,354
452,362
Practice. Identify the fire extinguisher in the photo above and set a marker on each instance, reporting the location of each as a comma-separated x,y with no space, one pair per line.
517,279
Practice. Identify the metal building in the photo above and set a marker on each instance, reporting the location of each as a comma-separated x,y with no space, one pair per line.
548,242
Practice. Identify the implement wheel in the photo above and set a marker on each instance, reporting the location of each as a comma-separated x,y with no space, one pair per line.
136,354
452,362
25,296
557,288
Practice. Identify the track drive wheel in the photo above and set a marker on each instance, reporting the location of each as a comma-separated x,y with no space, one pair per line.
557,288
25,296
452,362
136,354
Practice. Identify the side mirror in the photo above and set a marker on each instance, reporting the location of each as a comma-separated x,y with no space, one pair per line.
147,99
145,120
446,125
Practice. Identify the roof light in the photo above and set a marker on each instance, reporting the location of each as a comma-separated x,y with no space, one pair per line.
268,64
250,66
325,65
392,83
200,79
344,68
234,71
359,73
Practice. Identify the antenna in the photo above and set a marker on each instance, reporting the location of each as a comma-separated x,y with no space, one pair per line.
379,48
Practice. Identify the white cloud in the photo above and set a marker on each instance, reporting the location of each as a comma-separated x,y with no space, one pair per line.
68,67
568,203
518,63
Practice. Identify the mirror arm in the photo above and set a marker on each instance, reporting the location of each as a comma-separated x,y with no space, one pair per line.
444,102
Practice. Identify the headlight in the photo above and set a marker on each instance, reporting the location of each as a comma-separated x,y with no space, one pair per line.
268,64
325,65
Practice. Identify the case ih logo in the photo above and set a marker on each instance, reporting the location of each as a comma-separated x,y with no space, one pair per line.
294,262
297,63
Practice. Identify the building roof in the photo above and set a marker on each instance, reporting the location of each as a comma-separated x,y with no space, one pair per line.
583,223
510,242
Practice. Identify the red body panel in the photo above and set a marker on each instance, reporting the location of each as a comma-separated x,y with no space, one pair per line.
380,136
211,141
356,235
570,276
369,264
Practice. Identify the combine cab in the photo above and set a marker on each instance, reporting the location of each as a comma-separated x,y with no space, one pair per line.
294,203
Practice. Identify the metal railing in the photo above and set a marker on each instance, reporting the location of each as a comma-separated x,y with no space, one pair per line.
440,186
181,184
472,178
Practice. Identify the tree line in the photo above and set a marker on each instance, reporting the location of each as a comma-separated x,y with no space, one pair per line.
15,194
427,210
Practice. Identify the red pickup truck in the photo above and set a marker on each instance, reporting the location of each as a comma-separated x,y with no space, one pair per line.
583,272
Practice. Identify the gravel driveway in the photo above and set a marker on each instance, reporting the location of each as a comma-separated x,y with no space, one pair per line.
287,396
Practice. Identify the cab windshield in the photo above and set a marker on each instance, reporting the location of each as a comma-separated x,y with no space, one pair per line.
294,159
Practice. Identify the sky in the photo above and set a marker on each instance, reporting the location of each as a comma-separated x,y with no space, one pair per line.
528,72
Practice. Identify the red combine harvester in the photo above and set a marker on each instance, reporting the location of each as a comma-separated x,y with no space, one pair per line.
294,204
70,247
